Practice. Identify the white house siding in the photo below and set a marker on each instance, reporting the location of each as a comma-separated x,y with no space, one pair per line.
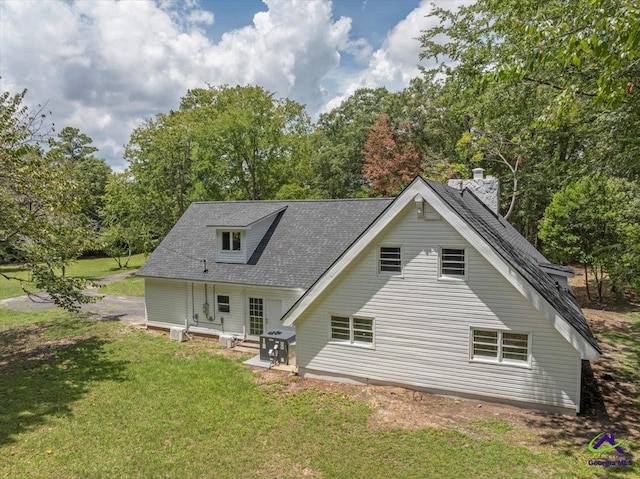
165,301
422,325
256,233
169,302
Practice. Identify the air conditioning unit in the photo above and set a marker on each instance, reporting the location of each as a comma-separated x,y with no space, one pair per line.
227,341
177,334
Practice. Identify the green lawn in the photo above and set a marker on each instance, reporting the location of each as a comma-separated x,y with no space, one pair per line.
85,399
130,286
90,269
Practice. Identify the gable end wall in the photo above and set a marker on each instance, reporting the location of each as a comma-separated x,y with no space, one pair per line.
422,325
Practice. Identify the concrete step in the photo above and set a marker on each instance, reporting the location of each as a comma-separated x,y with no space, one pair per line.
247,346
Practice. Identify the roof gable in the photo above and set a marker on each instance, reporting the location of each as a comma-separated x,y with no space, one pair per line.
504,248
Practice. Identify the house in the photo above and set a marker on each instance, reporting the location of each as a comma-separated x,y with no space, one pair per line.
432,290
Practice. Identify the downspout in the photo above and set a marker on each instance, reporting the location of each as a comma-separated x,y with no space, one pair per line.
193,305
244,314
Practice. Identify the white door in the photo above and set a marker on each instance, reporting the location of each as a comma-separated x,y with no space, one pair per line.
273,317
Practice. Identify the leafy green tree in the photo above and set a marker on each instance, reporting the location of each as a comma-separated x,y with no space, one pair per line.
595,222
585,48
223,143
437,116
124,233
260,138
550,87
41,219
338,141
75,148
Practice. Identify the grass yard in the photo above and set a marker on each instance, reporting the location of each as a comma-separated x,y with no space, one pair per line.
129,286
84,399
90,269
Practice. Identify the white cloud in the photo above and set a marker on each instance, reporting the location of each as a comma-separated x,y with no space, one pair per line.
103,66
395,63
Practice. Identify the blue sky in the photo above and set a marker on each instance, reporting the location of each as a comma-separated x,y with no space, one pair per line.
104,66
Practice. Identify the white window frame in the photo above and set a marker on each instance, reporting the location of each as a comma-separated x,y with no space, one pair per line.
231,235
499,358
352,331
455,277
227,304
379,260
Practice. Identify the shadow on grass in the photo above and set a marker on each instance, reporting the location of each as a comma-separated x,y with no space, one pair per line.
41,378
13,268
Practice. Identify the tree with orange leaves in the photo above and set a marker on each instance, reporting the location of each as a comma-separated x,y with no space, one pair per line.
390,160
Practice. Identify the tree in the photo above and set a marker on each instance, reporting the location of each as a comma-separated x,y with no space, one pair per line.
595,222
587,48
338,141
260,138
223,143
390,162
124,233
550,87
91,173
40,214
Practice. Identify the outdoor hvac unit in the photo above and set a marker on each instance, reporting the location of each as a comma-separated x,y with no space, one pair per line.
177,334
277,346
227,341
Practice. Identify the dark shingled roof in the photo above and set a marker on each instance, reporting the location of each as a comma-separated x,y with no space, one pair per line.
242,213
517,251
304,240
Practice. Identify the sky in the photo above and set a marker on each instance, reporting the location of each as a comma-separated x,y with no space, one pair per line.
103,66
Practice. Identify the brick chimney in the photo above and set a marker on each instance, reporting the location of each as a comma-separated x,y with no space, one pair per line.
486,189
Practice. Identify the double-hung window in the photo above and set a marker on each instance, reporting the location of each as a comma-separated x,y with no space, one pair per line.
231,241
352,330
500,346
390,259
453,263
224,306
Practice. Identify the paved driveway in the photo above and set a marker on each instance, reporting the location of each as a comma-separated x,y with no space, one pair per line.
129,309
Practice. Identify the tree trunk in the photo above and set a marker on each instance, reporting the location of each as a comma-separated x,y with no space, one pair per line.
586,280
601,283
514,194
598,278
128,257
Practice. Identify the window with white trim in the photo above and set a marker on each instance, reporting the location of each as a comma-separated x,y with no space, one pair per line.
224,305
500,346
453,263
390,259
352,330
231,241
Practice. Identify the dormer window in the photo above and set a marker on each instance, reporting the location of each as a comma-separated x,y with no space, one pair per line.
231,241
